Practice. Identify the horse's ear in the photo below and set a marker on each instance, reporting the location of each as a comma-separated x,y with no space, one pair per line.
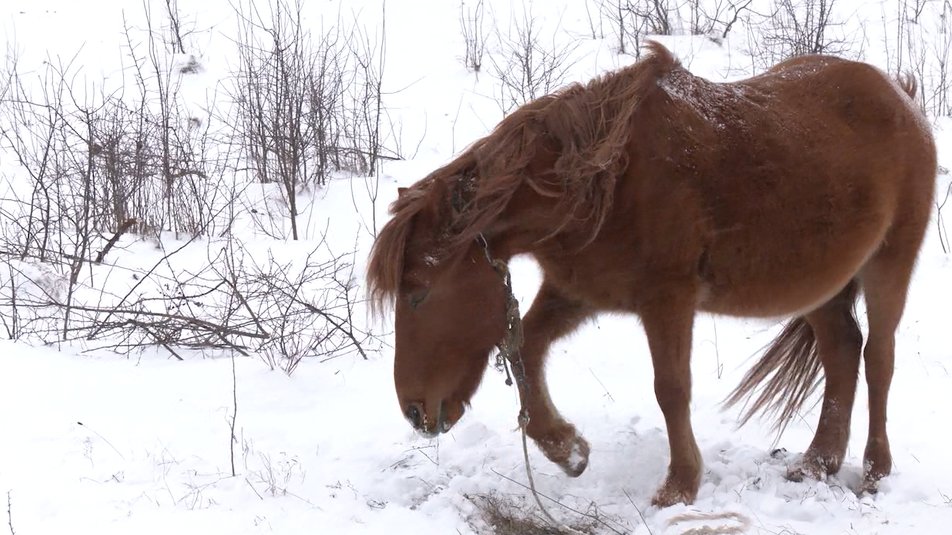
401,192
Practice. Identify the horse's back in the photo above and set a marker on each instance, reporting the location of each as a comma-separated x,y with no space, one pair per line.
863,132
856,94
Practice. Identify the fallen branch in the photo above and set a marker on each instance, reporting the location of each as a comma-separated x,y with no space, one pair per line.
193,322
126,225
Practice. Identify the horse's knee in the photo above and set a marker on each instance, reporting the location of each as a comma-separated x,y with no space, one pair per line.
673,394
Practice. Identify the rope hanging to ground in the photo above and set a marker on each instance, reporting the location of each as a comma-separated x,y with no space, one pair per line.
510,356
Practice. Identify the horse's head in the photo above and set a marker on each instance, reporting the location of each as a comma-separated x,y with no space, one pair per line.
548,168
448,318
449,308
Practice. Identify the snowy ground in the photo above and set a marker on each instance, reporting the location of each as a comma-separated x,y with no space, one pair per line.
100,443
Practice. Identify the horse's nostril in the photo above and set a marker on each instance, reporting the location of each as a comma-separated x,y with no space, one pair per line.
415,415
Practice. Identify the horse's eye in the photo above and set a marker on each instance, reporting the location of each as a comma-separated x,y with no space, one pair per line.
417,298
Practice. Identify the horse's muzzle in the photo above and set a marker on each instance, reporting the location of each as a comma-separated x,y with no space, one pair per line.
427,425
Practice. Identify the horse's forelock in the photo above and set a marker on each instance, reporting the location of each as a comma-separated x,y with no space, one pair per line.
388,256
385,268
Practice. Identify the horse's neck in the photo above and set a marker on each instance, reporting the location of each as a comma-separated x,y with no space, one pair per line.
530,222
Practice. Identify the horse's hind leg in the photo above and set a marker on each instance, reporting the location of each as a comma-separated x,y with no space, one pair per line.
839,342
550,317
885,283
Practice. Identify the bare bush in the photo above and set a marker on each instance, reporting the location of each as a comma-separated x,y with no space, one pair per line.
795,28
921,43
367,57
153,157
101,164
175,130
272,91
717,18
306,308
80,209
530,69
305,108
326,102
284,311
9,303
799,27
471,24
30,128
937,90
53,138
632,21
276,477
656,14
899,40
596,22
176,41
629,29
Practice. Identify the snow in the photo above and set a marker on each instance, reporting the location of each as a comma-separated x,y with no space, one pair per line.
94,442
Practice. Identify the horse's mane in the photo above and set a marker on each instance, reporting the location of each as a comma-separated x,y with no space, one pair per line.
589,127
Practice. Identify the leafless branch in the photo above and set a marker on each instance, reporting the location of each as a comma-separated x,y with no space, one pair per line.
531,69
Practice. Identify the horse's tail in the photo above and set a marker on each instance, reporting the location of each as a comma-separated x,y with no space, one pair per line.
909,84
789,372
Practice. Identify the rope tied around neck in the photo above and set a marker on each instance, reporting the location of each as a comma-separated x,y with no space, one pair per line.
509,355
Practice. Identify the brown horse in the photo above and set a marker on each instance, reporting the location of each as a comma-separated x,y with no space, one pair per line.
655,192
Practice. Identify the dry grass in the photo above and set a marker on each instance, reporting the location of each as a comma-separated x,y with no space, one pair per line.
515,515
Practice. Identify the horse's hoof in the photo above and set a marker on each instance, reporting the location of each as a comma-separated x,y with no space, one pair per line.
669,495
570,451
878,464
871,481
799,472
577,461
812,467
796,474
870,486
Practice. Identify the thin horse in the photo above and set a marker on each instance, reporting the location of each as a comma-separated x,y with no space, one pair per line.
655,192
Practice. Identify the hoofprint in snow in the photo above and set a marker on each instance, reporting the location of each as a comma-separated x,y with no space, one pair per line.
99,443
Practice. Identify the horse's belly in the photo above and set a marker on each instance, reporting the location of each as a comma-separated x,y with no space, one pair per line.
783,277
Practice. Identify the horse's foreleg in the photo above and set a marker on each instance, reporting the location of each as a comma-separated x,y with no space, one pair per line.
669,330
550,317
839,341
